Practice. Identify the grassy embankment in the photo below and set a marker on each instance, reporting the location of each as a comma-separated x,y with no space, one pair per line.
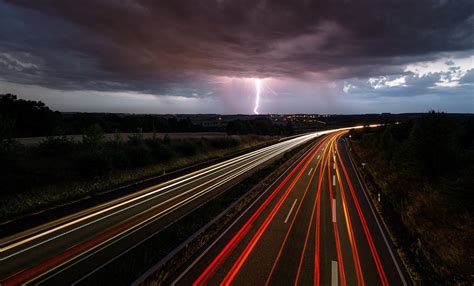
128,267
57,170
424,170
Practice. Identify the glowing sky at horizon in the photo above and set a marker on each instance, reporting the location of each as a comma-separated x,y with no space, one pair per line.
249,57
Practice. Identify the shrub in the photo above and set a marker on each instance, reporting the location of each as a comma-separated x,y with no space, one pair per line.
160,151
93,136
138,154
186,147
54,146
222,143
91,163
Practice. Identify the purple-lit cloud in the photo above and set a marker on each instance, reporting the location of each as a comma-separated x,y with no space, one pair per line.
332,54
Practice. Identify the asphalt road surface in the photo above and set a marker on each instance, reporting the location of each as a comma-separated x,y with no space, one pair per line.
67,250
315,226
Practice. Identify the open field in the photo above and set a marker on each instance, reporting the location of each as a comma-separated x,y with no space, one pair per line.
127,136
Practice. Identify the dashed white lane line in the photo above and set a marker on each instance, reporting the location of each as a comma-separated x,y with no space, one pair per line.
318,156
334,273
333,210
334,180
289,213
309,173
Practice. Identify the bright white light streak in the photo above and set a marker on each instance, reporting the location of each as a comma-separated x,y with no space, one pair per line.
257,95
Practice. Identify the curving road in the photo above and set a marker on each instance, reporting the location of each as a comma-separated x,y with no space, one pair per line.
315,226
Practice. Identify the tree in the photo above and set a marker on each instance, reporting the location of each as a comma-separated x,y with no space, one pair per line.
93,136
6,127
32,118
289,128
433,140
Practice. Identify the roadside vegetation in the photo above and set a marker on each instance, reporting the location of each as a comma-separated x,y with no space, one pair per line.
424,170
58,170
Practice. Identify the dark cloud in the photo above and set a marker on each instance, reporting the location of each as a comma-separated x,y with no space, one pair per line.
152,45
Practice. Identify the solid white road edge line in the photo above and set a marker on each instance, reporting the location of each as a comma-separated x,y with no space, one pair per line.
378,223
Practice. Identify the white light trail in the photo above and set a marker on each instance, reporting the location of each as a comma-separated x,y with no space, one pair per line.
257,95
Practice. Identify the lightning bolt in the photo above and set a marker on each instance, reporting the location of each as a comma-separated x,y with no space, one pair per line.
257,95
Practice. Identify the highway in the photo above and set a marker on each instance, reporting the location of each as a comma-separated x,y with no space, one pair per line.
67,250
313,226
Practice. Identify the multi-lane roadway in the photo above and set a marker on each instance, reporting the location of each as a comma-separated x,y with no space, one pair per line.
315,226
67,250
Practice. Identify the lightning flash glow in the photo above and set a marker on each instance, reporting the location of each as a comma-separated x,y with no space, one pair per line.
257,95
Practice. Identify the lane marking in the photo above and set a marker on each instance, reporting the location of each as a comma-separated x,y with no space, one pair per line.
392,255
334,166
303,251
140,225
291,227
309,173
333,210
334,180
318,157
334,273
292,207
355,253
292,167
367,232
302,165
250,246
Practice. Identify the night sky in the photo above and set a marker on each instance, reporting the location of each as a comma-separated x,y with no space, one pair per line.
184,56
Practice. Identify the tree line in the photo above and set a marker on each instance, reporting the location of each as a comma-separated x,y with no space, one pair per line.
29,118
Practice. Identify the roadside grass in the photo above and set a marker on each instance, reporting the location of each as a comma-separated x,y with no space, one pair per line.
15,203
396,230
432,228
134,263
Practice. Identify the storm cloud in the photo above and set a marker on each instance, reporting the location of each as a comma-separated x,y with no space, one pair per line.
158,47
